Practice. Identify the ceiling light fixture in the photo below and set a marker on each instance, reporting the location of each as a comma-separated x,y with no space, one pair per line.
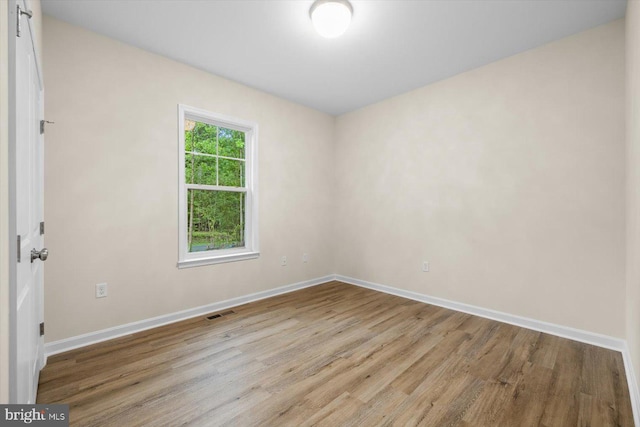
331,18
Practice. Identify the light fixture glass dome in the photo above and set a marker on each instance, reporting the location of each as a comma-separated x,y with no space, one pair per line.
331,18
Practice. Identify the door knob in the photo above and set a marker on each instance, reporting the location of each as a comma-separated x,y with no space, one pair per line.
42,255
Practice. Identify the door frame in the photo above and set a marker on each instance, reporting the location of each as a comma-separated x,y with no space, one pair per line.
27,25
11,170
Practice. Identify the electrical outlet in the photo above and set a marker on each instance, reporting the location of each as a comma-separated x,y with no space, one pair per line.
101,290
425,266
305,257
283,261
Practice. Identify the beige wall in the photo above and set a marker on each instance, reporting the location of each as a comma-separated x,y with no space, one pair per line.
633,182
111,173
509,179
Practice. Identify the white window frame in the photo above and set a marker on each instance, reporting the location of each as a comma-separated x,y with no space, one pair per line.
251,249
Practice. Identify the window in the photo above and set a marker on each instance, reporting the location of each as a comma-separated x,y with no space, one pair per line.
218,203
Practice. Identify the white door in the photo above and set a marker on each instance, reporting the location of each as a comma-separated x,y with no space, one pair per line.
29,213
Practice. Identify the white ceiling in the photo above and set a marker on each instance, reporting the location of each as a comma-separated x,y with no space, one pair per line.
391,47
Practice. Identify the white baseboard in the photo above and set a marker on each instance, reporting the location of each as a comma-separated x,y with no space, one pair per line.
524,322
632,381
536,325
78,341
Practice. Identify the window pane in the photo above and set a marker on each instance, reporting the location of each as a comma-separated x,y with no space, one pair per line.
199,169
215,220
231,172
231,143
200,137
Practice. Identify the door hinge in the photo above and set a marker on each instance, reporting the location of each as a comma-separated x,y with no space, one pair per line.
19,245
42,329
19,15
42,228
42,123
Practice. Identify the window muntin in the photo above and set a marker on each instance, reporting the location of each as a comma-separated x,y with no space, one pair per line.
218,220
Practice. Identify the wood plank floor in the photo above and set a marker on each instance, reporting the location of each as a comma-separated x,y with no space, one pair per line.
335,355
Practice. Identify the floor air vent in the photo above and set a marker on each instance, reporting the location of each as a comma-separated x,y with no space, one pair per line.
215,316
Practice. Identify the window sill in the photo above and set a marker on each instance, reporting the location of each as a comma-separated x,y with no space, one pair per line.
218,259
